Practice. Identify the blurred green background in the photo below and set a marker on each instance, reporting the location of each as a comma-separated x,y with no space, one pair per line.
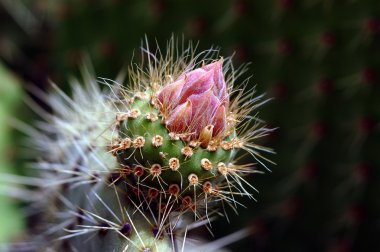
319,59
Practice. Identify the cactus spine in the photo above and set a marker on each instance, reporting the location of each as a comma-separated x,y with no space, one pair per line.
134,168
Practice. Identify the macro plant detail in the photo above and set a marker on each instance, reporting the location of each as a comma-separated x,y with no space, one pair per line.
136,166
319,60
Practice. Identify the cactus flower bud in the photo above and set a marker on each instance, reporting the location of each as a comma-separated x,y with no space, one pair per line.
122,166
196,100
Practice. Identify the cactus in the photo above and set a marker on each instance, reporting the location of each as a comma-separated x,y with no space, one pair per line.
11,94
135,166
319,59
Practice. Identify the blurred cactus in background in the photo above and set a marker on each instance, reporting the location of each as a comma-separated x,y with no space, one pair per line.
11,94
320,60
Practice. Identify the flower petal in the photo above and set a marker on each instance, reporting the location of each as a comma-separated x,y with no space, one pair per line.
170,94
206,135
179,120
198,85
220,120
220,87
204,108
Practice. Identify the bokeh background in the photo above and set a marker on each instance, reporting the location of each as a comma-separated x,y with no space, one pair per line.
318,59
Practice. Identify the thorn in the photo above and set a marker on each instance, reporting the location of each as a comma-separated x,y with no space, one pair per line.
174,189
152,193
125,143
222,168
226,145
141,96
139,142
174,164
212,146
187,151
134,113
126,229
206,164
138,171
151,116
193,179
207,187
186,201
156,170
157,141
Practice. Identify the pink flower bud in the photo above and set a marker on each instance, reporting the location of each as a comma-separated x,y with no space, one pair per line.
195,100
